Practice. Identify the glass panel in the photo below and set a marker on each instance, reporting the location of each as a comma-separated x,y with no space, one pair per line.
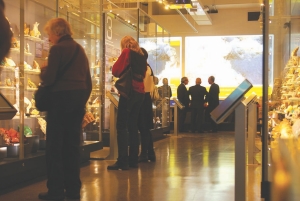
118,23
148,40
19,82
84,18
285,100
156,41
271,9
295,8
36,51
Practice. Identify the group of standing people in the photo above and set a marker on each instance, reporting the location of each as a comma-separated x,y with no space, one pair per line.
201,102
134,113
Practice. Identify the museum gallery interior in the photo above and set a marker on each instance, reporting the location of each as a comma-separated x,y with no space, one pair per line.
249,46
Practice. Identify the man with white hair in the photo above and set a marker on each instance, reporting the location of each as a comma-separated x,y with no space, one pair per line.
183,97
213,102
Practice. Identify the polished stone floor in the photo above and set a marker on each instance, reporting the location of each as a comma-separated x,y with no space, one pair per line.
189,167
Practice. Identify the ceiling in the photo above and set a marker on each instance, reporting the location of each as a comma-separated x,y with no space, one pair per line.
191,21
174,21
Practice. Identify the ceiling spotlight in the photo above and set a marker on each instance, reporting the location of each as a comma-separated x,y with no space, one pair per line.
167,7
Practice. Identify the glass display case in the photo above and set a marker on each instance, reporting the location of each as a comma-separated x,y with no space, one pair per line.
25,133
285,98
85,22
20,76
117,25
281,118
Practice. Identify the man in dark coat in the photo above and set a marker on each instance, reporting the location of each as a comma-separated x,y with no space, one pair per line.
183,97
5,33
213,102
197,93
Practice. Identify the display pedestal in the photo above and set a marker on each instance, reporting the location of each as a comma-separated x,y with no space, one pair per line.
240,153
165,103
14,151
235,102
176,120
252,128
33,142
176,106
42,143
113,144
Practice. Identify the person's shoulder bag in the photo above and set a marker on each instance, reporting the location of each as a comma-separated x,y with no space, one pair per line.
43,94
124,83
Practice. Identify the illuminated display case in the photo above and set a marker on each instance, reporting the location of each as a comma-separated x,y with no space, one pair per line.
85,22
25,133
281,121
20,76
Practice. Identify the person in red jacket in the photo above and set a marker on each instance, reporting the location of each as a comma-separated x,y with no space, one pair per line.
128,109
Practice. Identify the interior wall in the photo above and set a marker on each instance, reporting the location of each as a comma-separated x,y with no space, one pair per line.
235,22
225,22
223,25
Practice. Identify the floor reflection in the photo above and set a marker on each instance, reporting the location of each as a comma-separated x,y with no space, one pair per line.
191,167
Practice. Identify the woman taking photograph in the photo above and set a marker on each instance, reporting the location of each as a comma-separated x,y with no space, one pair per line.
128,109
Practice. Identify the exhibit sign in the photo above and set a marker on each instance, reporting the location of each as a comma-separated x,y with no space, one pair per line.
226,107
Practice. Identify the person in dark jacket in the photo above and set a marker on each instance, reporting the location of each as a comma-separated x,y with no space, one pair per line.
5,33
213,102
145,122
197,93
129,109
68,75
184,98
